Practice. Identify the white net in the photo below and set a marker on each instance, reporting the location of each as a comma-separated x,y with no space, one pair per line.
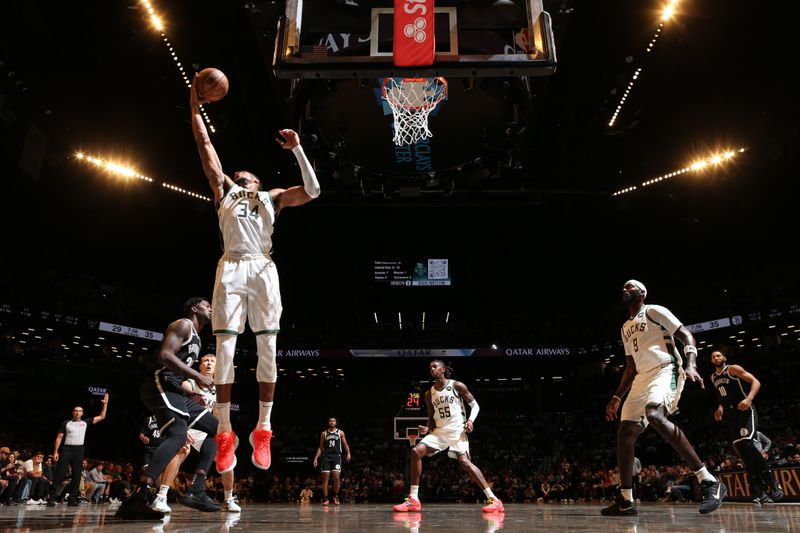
411,101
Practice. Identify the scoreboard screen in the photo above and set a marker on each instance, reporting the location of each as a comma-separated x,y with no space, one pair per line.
430,272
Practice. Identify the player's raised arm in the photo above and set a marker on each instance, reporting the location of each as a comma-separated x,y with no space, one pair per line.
298,195
212,166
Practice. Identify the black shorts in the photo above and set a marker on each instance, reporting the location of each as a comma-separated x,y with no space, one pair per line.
167,404
742,425
331,464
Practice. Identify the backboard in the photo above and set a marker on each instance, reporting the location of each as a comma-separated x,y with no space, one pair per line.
326,39
402,425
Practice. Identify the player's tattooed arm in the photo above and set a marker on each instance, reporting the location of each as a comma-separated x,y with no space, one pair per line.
177,333
624,386
755,385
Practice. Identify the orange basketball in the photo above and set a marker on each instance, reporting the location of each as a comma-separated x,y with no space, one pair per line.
212,84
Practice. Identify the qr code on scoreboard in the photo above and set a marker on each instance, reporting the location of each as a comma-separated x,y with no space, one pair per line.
438,269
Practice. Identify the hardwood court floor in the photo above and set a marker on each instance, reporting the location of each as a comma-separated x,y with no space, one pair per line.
678,518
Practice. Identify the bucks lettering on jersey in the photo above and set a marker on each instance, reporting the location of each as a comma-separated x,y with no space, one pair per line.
246,220
188,353
448,408
730,389
647,338
333,444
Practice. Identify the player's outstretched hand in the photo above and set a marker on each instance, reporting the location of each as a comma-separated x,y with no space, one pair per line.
194,99
289,139
692,375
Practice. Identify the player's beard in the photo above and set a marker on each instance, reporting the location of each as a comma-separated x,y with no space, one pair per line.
629,298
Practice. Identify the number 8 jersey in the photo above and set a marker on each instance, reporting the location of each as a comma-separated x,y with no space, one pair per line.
448,408
246,220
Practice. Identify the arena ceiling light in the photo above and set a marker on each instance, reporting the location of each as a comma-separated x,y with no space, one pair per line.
712,161
128,172
158,24
666,15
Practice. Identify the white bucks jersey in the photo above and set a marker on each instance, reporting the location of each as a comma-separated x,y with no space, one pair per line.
246,220
209,395
648,338
448,408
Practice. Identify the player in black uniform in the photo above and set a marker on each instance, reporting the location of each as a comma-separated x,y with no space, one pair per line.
175,412
736,408
331,443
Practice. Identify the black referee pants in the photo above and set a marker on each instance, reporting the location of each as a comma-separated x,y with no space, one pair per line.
70,455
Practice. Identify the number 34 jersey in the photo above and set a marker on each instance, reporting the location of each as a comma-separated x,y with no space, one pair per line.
246,220
647,338
448,408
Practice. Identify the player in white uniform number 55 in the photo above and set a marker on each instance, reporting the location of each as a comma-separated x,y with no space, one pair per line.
246,285
653,379
448,425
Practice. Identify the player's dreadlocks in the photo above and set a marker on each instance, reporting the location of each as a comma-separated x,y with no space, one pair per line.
448,370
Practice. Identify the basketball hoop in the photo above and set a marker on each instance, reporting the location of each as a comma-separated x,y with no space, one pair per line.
412,100
412,434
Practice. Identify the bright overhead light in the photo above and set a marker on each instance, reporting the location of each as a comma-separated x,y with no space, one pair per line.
713,159
129,172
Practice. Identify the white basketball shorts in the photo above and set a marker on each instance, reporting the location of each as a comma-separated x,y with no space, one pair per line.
441,440
661,385
246,288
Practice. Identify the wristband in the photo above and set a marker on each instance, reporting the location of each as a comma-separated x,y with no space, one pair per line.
689,349
617,397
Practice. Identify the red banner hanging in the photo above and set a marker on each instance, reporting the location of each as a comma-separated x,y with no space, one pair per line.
414,39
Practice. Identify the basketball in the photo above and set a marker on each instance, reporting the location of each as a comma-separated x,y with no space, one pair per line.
212,84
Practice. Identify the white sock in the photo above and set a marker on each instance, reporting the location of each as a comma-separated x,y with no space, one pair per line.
414,492
163,490
627,494
704,475
223,413
264,412
489,494
228,494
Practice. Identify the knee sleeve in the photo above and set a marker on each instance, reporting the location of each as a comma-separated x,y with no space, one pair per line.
267,369
226,347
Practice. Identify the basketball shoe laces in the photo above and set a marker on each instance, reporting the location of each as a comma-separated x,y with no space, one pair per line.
262,443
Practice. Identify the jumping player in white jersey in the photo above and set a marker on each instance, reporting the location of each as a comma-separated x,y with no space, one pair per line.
246,285
450,425
207,397
653,379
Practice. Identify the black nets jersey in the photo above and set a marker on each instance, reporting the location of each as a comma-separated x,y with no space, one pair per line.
730,389
333,444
